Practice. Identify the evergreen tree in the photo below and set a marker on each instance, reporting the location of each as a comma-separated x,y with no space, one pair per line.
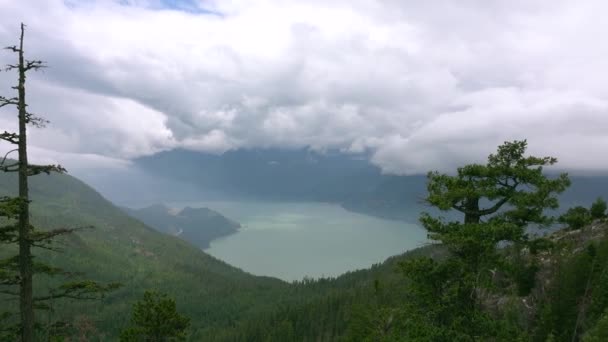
155,319
498,200
599,333
598,208
509,180
576,218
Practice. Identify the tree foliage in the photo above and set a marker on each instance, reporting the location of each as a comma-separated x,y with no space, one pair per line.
598,208
155,319
579,216
498,200
508,180
576,218
599,333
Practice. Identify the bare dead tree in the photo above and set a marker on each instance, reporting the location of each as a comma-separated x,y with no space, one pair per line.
19,270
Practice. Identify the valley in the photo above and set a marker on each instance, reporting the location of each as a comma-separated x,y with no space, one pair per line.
303,171
293,240
293,268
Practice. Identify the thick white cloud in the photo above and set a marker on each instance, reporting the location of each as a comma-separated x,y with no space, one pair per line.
417,85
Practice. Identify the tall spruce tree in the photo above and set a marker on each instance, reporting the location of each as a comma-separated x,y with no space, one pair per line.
18,271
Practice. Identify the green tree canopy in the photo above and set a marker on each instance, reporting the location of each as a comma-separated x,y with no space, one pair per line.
576,218
155,319
599,332
598,208
508,180
498,200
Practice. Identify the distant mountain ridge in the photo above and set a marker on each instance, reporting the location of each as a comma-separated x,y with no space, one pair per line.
199,226
294,175
267,173
226,304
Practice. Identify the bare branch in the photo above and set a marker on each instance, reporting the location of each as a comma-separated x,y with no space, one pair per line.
13,48
10,168
6,156
8,101
35,120
38,169
13,138
35,65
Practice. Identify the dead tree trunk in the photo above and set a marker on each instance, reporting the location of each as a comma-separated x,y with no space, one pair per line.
26,301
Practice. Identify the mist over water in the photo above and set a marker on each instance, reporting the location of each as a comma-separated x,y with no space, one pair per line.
292,240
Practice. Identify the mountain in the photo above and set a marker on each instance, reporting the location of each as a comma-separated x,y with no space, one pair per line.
224,303
306,175
199,226
227,304
122,249
300,175
267,173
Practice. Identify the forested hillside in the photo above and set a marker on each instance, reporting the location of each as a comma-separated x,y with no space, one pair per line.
121,249
486,278
562,296
226,304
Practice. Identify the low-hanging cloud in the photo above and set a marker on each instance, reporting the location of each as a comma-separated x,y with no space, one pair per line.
415,85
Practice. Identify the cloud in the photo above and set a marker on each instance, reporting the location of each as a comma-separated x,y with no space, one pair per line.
415,85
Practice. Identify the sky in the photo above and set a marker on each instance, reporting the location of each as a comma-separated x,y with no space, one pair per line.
414,85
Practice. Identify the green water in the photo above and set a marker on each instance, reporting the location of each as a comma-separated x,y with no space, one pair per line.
292,240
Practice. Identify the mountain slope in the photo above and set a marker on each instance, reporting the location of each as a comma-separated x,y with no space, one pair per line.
568,289
122,249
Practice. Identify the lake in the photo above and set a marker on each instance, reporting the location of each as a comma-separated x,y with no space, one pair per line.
293,240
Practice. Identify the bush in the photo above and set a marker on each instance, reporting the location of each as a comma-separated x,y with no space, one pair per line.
155,318
599,332
598,208
576,217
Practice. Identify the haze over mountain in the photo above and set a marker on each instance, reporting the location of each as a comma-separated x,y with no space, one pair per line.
294,175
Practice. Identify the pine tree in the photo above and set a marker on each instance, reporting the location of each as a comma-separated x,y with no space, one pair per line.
598,208
576,217
498,200
155,319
